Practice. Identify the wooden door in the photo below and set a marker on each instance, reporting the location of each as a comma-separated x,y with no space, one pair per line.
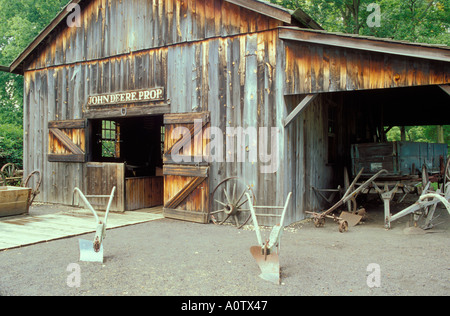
100,179
186,171
67,142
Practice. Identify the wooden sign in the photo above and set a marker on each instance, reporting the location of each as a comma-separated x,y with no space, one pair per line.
147,95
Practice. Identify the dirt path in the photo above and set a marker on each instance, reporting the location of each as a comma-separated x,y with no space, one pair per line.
168,257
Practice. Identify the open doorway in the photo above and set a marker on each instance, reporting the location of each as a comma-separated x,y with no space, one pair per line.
133,148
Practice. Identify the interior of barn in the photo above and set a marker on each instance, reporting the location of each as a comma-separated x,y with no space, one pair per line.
359,145
137,143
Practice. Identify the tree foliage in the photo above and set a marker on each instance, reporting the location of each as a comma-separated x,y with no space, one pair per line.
21,21
425,21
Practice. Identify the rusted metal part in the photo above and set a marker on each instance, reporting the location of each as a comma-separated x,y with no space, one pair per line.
35,189
349,195
267,253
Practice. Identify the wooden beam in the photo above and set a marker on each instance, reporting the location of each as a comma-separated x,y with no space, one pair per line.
300,107
445,87
264,8
66,158
441,53
66,141
185,171
78,124
128,111
306,20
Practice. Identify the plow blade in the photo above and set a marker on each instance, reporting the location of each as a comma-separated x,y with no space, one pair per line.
87,252
269,265
351,219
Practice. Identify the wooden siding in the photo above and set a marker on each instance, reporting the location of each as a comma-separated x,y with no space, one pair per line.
116,27
235,78
316,68
205,58
307,155
210,56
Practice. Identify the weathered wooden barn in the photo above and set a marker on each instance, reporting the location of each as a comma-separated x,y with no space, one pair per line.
103,100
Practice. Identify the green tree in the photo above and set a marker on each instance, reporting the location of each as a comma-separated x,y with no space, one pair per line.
20,22
426,21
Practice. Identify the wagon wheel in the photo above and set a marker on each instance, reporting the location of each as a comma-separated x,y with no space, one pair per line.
35,189
8,171
229,199
447,173
343,226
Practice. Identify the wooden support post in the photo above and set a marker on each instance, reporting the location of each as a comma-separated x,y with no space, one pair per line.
300,107
440,134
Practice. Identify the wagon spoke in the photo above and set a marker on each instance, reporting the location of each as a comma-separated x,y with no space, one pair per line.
242,203
226,195
236,220
221,203
242,194
218,211
228,216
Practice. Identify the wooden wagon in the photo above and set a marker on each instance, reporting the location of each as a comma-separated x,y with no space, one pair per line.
410,166
14,200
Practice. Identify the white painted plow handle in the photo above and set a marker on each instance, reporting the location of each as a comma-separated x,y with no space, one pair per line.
436,196
111,198
255,220
87,204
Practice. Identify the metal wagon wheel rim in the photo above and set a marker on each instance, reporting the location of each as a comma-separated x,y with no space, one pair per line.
9,170
233,201
35,190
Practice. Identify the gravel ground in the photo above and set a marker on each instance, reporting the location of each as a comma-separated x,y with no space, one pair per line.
169,257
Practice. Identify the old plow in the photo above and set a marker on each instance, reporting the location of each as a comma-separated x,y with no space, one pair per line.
345,218
92,251
267,252
425,206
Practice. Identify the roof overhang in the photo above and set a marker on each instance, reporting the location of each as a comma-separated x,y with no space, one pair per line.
4,68
265,8
372,44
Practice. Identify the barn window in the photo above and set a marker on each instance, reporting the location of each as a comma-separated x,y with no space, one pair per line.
110,139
